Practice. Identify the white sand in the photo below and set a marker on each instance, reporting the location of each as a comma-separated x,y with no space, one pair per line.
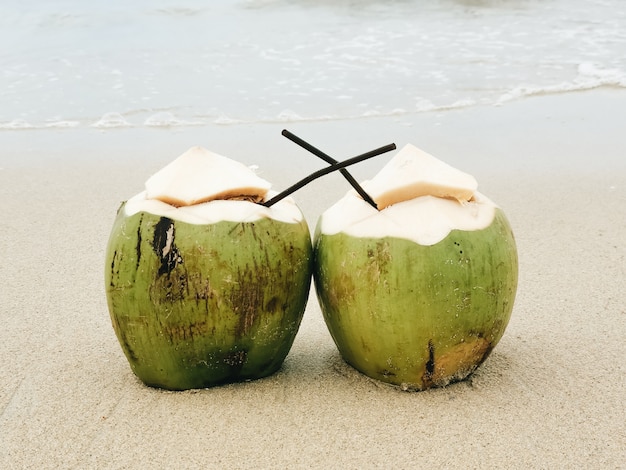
551,395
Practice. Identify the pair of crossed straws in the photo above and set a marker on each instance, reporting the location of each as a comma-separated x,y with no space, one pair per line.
334,166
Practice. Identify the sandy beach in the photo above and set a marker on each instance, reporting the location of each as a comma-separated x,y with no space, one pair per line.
551,395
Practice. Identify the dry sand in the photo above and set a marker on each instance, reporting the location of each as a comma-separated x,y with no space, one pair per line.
551,395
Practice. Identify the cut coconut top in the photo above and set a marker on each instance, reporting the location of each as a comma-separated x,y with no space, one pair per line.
202,187
199,176
419,198
413,173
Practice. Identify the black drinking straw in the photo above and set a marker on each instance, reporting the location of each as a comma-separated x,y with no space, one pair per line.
328,159
325,171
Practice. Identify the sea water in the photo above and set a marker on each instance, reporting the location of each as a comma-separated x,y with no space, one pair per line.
73,64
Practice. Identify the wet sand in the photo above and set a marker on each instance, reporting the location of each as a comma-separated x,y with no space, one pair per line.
551,395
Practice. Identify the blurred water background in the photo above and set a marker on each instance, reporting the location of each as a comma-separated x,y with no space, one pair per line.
162,63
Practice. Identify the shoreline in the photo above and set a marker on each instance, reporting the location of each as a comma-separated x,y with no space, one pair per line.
574,110
549,396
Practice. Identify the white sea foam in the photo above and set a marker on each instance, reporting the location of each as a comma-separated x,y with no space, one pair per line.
288,115
16,124
371,113
589,76
111,120
224,120
62,124
602,76
167,119
21,124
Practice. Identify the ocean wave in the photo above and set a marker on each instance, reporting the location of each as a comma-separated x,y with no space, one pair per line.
62,124
16,125
111,120
590,76
224,120
21,124
166,119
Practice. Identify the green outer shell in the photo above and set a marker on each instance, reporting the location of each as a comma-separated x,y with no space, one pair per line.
413,315
199,305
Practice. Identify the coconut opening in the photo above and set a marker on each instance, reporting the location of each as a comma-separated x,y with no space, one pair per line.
203,187
199,175
419,197
413,173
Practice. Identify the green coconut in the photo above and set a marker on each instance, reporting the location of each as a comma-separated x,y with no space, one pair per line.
205,286
418,293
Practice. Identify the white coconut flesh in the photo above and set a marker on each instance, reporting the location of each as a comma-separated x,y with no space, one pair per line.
203,187
419,197
412,173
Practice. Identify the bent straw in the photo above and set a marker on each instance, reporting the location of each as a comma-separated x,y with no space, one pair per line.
328,159
325,171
